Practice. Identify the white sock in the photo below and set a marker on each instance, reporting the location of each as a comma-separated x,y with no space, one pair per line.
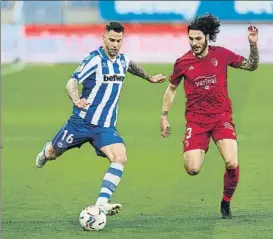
110,182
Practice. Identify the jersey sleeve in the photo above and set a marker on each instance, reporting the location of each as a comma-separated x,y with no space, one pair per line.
125,61
177,74
87,68
233,59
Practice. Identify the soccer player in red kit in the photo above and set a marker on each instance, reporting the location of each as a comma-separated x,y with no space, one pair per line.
208,111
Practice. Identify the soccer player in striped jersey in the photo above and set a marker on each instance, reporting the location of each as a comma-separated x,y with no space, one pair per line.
95,112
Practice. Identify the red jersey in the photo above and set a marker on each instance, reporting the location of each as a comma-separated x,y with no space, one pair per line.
205,83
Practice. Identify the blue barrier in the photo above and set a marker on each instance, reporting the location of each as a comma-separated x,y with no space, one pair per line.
82,4
160,11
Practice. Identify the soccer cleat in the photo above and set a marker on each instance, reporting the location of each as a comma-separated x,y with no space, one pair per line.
111,209
41,160
225,210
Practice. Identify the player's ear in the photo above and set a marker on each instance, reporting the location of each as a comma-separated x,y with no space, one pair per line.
207,37
105,35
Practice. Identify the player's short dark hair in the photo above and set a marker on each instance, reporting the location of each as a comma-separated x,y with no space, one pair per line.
115,26
208,24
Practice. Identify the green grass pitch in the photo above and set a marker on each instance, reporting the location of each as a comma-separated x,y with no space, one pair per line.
160,200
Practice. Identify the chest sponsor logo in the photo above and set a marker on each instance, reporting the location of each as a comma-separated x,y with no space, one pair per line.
205,81
113,78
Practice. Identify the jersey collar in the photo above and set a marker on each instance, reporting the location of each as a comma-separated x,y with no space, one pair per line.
104,56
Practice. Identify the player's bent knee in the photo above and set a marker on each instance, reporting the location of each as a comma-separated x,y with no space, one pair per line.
192,170
193,161
120,158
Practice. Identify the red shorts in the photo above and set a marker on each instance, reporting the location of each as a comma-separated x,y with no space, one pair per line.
197,135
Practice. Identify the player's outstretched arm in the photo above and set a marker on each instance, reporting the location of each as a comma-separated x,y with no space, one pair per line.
138,71
251,64
166,106
73,92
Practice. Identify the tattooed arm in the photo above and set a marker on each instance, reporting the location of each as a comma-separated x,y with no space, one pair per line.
73,92
137,71
251,64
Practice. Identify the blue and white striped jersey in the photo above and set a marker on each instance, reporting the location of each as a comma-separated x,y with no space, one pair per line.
102,80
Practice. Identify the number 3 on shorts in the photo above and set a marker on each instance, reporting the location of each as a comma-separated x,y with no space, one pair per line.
188,134
69,139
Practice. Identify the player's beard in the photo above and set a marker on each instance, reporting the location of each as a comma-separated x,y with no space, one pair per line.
203,48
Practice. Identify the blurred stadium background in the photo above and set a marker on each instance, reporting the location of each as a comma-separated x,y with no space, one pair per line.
63,31
42,42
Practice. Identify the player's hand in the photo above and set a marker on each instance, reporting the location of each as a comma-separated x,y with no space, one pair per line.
253,34
157,78
82,103
165,127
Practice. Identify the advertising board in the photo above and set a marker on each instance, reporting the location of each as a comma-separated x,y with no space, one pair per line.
147,43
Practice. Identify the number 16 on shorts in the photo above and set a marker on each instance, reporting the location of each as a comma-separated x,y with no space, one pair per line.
68,138
63,140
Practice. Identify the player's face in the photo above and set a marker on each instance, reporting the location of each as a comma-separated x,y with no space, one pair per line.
198,42
112,42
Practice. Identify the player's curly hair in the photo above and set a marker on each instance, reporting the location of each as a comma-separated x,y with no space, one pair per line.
115,26
208,24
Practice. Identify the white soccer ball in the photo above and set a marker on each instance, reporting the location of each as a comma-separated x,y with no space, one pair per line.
92,218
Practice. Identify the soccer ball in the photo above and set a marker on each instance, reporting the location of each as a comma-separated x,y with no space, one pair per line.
92,218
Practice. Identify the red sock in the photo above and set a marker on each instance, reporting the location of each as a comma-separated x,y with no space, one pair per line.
231,179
